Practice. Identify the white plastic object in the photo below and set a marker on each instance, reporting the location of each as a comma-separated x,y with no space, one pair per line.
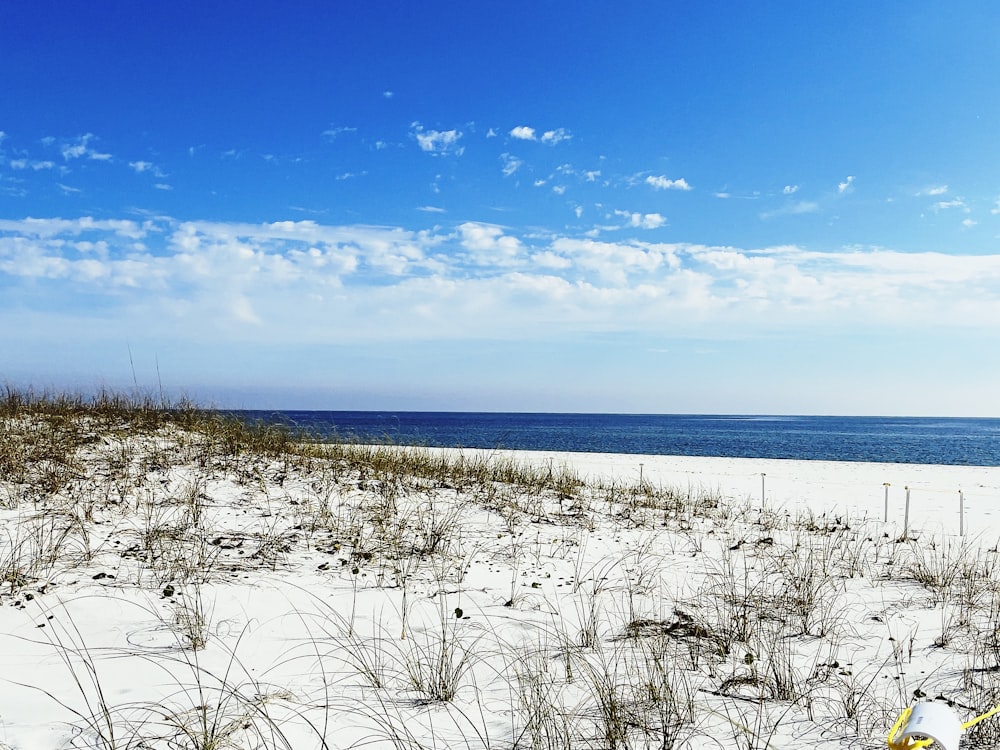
934,721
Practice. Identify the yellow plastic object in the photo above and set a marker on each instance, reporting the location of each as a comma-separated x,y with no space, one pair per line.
926,724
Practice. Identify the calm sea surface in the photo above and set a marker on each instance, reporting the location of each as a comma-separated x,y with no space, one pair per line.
880,439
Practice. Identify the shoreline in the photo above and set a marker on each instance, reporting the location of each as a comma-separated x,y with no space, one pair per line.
857,488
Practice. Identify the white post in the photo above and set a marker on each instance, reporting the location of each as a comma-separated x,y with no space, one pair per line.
762,475
906,514
640,473
961,513
886,485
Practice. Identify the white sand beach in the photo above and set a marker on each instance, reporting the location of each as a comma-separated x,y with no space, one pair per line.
172,592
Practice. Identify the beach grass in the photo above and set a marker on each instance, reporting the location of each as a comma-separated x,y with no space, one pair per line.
178,577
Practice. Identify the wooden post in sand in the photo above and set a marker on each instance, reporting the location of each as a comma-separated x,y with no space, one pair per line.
961,513
762,475
906,514
886,519
640,474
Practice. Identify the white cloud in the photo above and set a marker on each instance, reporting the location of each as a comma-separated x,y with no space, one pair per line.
968,223
510,164
552,137
592,175
79,148
846,185
996,207
387,94
559,189
722,195
488,245
335,132
934,190
162,186
33,165
790,189
438,141
523,133
318,283
431,209
663,183
642,221
955,203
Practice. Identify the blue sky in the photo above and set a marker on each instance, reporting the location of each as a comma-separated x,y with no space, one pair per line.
710,207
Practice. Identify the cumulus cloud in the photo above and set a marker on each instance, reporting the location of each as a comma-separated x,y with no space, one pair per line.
659,182
438,142
343,283
996,207
642,221
548,137
487,243
790,189
846,185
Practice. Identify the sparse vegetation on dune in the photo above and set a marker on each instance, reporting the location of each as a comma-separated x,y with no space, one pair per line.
210,583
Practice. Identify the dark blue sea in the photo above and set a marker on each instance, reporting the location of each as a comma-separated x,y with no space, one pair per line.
880,439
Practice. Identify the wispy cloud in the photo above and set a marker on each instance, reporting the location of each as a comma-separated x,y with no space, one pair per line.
792,209
659,182
510,164
431,209
31,164
790,189
141,167
437,142
958,203
553,137
333,133
932,191
79,147
846,186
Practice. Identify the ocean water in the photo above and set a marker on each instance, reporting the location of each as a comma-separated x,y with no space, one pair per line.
955,441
